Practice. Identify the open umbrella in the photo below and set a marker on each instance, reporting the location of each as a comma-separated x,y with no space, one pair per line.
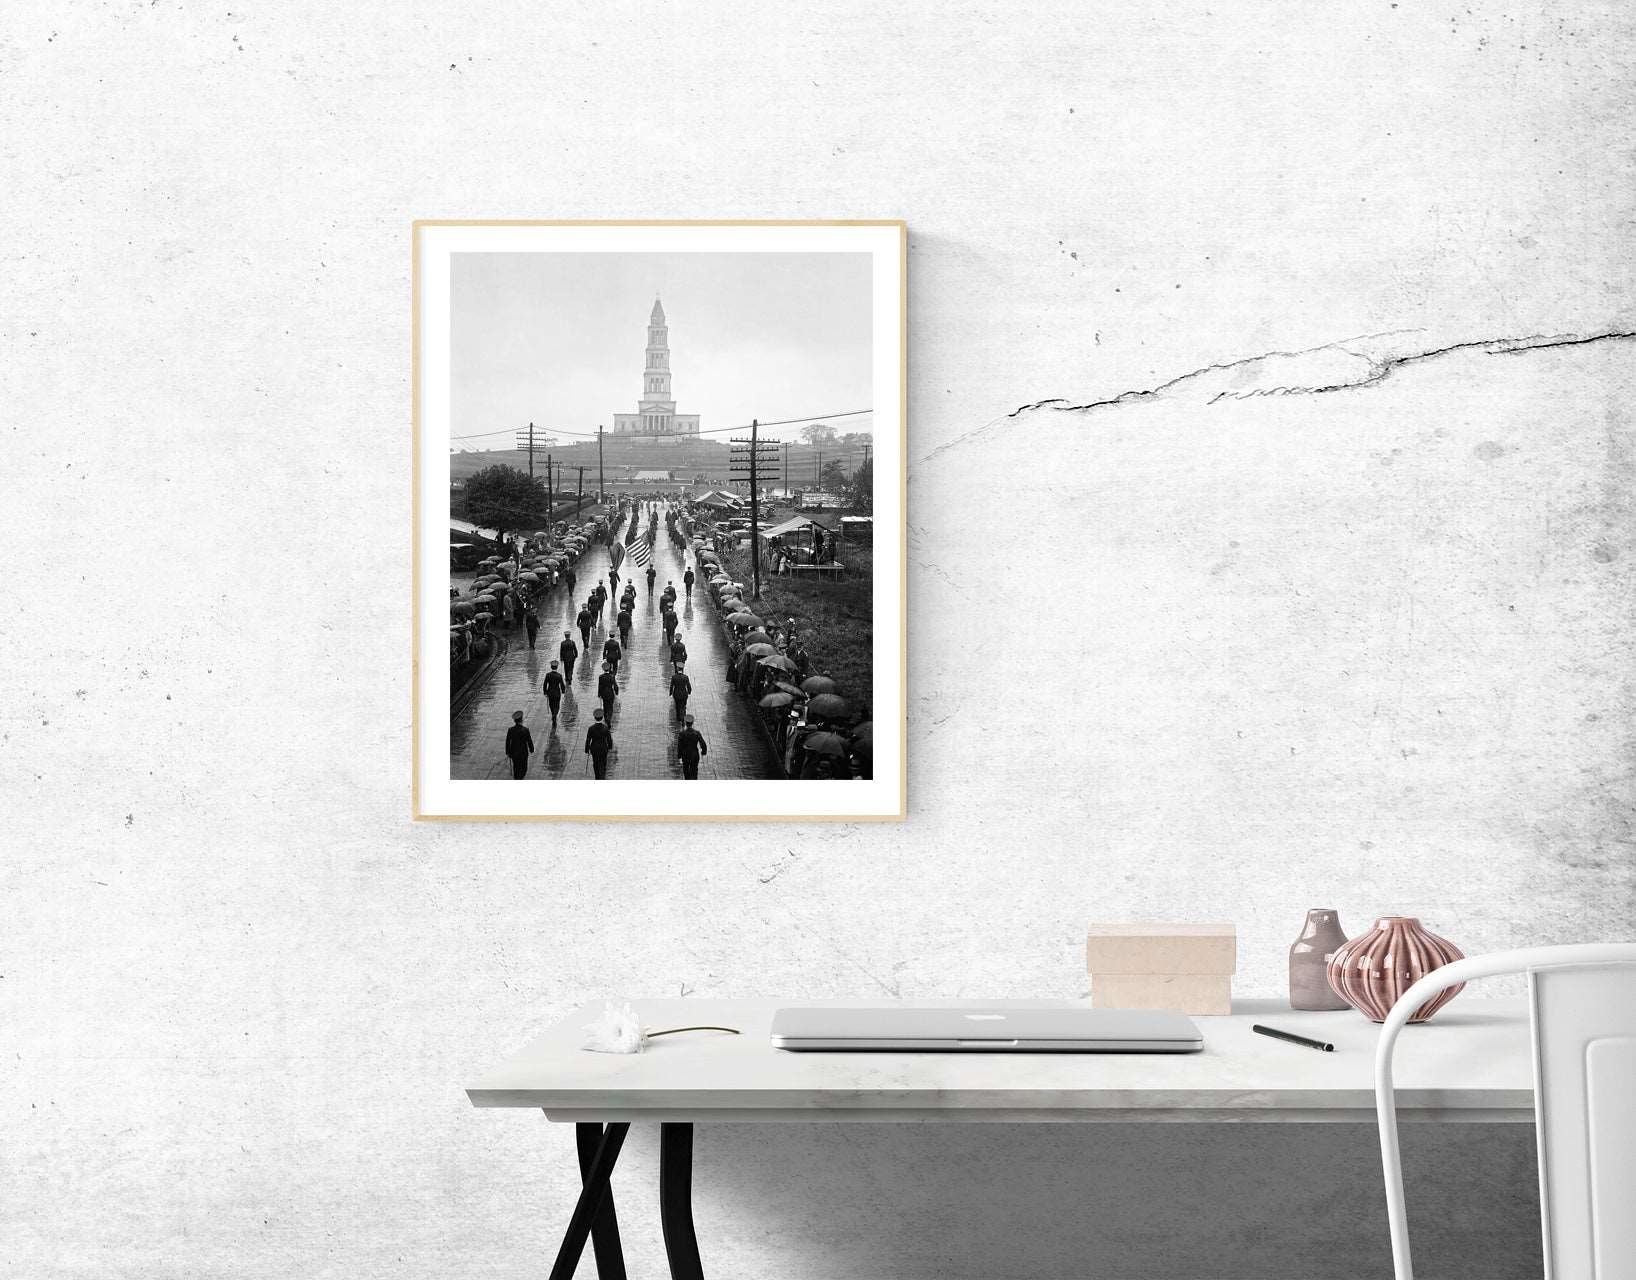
758,637
461,608
815,685
760,650
719,578
775,700
787,688
483,616
742,619
828,706
824,743
528,575
778,662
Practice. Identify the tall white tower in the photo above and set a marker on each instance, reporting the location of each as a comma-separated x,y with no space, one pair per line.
656,412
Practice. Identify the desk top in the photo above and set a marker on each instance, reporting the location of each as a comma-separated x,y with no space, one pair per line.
1472,1062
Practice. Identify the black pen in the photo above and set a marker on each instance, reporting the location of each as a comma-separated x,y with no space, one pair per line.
1291,1037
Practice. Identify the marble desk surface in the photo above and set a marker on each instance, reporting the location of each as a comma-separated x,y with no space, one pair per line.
1471,1062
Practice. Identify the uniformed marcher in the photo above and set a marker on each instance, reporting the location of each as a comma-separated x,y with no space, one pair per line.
598,743
678,653
585,619
652,574
687,581
568,651
519,745
625,628
607,688
554,686
531,623
681,688
611,654
670,625
690,745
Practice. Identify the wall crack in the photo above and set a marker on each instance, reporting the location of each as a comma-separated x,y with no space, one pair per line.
1347,365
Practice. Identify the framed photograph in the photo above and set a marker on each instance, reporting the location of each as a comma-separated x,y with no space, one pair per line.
659,520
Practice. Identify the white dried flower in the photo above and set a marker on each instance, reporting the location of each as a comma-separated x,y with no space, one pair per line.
618,1030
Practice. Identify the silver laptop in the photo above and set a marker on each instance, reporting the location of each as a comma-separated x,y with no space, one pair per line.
992,1028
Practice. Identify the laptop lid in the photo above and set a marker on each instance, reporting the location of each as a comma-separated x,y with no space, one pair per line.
994,1028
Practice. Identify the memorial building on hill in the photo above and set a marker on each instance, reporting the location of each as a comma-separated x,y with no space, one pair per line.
656,412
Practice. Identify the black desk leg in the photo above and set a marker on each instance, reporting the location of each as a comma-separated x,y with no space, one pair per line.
676,1201
610,1259
593,1193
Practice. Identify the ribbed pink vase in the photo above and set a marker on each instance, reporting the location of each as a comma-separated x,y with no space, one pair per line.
1372,970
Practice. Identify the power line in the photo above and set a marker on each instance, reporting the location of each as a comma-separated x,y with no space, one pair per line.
714,431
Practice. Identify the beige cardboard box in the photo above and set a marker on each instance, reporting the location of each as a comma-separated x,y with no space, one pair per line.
1148,947
1202,993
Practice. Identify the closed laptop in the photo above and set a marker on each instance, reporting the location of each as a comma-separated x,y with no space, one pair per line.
989,1028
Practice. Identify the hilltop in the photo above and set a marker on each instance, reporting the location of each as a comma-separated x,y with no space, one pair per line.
689,460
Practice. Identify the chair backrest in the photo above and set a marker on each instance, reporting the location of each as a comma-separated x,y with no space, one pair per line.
1582,1000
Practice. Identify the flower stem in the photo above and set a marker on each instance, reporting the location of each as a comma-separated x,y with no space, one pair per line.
673,1030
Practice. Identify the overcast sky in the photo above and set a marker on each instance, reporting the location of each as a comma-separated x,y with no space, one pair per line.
557,339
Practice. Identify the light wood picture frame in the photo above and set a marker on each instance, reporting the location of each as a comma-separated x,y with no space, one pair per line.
767,462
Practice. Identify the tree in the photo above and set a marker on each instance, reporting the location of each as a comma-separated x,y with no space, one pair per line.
860,491
818,435
832,479
503,498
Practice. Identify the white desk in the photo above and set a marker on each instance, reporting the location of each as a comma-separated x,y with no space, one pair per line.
1471,1063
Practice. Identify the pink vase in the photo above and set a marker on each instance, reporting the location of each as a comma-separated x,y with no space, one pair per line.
1372,970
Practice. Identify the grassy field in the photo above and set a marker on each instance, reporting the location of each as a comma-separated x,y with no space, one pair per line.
835,619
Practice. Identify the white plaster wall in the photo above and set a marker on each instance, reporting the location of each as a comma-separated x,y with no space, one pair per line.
1366,647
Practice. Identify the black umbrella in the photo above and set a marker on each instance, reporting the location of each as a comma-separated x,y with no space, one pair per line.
828,706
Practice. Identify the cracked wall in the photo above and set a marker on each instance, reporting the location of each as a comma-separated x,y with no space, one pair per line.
1197,651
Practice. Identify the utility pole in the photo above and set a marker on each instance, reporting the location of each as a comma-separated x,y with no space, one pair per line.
600,496
756,460
786,468
579,497
527,439
550,493
817,467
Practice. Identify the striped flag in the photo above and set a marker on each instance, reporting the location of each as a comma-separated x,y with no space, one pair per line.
642,550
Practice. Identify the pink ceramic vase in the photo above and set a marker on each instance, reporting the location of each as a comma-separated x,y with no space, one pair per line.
1372,970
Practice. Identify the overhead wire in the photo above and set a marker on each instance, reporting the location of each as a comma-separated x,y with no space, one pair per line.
713,431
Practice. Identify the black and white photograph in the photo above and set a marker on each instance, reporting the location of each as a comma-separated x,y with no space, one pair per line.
673,515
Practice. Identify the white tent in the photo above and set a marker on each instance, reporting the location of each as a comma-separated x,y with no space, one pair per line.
796,525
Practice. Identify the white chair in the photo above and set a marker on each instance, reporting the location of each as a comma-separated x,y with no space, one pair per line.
1582,1002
